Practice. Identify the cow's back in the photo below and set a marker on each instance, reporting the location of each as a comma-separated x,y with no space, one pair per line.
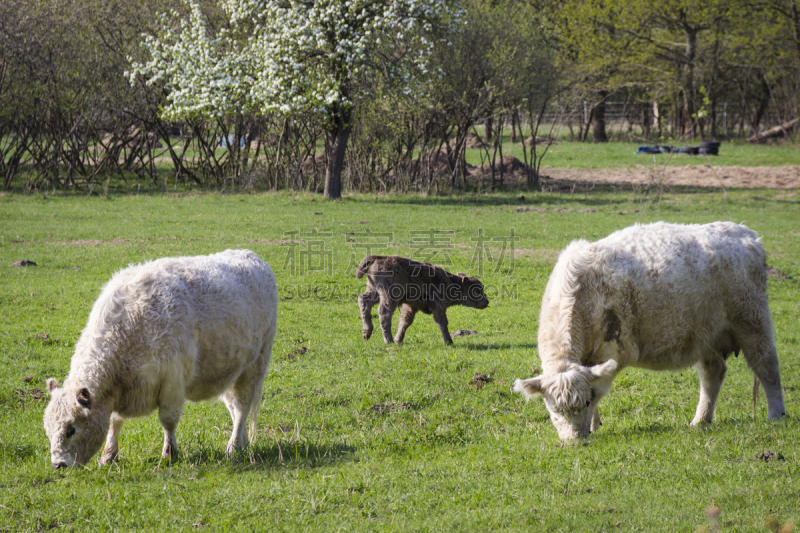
196,321
665,293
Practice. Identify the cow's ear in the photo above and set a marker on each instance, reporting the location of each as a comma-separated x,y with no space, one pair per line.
603,374
530,388
605,369
85,398
52,384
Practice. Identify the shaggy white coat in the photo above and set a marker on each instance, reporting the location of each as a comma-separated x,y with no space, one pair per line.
161,333
658,296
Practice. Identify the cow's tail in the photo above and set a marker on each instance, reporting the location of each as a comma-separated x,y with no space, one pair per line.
756,383
365,264
252,421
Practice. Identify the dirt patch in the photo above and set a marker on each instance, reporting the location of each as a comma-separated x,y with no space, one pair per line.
784,177
540,141
464,333
23,263
480,380
32,394
472,141
300,348
439,166
776,274
768,456
317,166
513,170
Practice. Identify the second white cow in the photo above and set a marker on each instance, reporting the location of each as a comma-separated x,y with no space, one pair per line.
658,296
161,333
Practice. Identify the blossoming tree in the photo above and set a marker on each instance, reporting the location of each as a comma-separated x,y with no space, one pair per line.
295,57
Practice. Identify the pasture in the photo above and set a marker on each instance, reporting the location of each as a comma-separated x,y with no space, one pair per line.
360,436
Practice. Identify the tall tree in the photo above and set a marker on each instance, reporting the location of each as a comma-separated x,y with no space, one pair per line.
295,57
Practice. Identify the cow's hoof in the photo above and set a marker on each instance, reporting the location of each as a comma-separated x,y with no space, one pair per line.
108,457
367,333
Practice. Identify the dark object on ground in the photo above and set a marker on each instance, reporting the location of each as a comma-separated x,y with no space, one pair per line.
24,263
657,149
691,150
395,281
768,456
479,380
782,129
709,148
464,333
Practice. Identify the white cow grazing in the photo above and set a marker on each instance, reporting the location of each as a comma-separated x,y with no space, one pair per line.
161,333
659,296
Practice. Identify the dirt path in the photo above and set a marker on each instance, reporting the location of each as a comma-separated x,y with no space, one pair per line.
786,177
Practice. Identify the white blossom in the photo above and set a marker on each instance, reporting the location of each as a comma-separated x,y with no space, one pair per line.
298,56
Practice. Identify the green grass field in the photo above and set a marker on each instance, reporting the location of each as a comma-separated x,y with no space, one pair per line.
360,436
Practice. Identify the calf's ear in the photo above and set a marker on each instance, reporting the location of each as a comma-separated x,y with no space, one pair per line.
52,384
529,388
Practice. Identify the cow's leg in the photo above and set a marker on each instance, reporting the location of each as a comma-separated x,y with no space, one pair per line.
406,319
111,449
712,373
241,399
365,302
440,317
169,414
385,312
596,423
762,358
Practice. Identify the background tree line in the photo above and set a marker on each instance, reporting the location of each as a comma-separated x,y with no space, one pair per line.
70,117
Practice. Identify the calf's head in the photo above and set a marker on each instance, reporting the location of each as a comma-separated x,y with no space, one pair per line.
471,293
75,425
571,395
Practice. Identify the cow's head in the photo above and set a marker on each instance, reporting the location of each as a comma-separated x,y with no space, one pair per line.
571,395
75,425
472,294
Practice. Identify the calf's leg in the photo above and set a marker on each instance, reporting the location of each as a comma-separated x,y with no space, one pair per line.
440,317
365,302
385,312
712,373
406,319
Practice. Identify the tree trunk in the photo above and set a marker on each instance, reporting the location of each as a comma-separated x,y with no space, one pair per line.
795,20
688,80
599,119
337,141
514,125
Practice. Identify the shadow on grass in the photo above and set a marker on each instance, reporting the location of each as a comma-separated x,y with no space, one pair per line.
264,456
19,451
499,346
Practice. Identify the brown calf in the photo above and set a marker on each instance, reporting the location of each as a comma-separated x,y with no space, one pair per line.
396,281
